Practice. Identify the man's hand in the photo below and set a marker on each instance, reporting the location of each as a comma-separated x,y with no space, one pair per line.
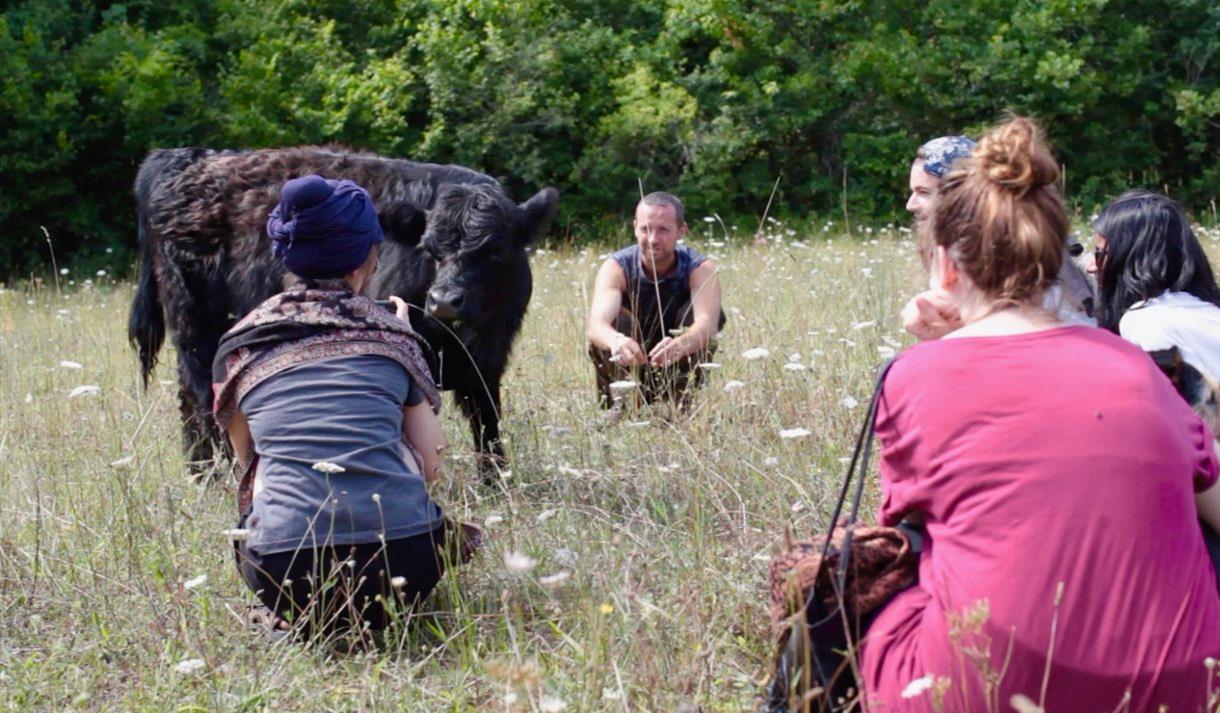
931,315
625,351
666,352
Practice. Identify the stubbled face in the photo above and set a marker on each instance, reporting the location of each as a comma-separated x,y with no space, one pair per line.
657,232
925,191
473,234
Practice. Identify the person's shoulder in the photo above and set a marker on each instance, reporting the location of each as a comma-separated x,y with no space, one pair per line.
704,269
1147,324
614,267
625,255
693,256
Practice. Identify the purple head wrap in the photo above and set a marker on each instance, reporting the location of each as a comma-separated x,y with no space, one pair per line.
940,154
323,228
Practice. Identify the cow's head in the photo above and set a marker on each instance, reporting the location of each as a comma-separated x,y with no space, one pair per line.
477,236
1077,289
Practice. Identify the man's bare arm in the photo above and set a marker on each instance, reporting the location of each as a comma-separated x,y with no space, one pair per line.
608,291
705,306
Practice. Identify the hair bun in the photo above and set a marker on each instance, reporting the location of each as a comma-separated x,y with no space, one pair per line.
1015,157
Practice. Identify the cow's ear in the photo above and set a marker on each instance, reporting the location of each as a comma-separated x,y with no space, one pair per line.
538,212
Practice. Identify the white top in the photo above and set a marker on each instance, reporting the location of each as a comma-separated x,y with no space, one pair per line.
1177,319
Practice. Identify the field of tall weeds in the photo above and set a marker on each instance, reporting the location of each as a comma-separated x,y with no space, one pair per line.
626,562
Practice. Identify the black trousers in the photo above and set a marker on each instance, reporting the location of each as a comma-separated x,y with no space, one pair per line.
344,587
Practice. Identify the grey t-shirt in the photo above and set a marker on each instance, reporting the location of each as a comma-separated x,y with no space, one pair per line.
346,411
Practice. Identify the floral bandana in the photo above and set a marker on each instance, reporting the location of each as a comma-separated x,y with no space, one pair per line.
940,154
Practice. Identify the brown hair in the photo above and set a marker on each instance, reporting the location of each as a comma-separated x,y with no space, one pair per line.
1000,216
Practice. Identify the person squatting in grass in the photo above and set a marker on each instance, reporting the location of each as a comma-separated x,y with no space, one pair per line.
655,308
1055,470
331,411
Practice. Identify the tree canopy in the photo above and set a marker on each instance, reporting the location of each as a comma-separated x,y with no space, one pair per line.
712,99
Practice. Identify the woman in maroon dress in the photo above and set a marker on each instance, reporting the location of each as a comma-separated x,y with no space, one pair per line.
1058,475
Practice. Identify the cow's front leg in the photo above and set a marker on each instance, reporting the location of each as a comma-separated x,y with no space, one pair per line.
481,405
200,437
198,433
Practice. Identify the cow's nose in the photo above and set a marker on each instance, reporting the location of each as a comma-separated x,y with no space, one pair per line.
445,305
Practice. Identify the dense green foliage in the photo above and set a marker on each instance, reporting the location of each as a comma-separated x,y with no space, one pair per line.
712,98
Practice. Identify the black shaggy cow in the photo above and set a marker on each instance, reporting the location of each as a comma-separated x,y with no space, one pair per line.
455,248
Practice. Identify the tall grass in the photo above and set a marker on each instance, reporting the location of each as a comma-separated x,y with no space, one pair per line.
651,535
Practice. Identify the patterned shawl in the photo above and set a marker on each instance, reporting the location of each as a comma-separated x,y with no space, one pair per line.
314,319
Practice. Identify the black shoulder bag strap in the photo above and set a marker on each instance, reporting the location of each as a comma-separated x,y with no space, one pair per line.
859,462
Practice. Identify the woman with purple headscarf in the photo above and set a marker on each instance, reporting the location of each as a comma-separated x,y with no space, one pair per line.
330,410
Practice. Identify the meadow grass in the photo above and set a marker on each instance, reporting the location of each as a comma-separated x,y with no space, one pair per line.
662,525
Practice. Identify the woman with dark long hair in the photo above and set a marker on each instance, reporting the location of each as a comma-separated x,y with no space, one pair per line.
1155,286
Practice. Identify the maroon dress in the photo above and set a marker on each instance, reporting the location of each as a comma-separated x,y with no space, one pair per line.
1057,473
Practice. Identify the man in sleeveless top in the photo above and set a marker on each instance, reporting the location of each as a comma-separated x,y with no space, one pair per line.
656,308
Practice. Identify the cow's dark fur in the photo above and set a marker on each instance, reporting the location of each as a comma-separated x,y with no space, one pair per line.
455,246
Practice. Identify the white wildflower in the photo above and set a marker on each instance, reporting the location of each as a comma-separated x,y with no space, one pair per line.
862,325
770,462
237,534
551,704
187,667
794,366
733,385
328,467
917,687
398,582
554,581
611,694
69,364
848,402
798,432
195,582
377,497
619,388
518,563
755,353
84,390
29,398
63,270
